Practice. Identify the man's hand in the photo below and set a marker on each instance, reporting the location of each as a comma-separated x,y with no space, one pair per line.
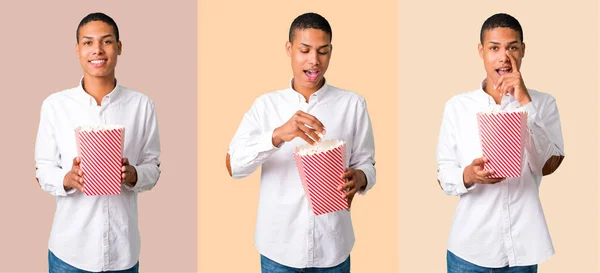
73,178
128,173
512,83
475,173
356,181
301,125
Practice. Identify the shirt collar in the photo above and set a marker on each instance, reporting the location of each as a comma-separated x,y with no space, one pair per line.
318,95
86,98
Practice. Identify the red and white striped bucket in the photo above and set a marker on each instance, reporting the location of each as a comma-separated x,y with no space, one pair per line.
320,168
100,149
502,141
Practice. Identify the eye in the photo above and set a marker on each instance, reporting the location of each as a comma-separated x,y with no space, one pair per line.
108,41
323,52
513,48
493,48
304,51
87,42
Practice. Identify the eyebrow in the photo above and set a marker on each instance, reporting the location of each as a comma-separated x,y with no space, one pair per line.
105,36
318,48
497,43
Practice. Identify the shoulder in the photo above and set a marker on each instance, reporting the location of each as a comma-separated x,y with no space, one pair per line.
465,98
346,96
136,97
59,96
541,97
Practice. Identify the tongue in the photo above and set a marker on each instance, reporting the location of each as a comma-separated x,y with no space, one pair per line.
311,75
502,72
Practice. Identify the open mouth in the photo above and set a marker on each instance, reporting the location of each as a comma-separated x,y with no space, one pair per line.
505,70
98,63
312,74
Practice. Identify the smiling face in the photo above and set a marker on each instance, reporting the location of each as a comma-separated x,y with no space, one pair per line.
97,50
497,43
309,51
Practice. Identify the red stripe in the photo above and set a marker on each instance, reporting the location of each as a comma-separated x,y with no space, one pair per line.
101,153
502,141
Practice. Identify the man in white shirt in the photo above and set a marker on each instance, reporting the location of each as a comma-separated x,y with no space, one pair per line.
499,222
289,237
96,233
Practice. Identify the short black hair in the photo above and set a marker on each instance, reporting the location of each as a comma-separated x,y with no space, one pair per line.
98,16
309,20
501,20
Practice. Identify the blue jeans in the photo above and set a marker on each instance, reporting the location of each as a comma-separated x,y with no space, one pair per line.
269,266
56,265
458,265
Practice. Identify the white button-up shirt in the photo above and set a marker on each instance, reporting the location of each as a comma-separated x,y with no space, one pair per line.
96,233
501,224
287,231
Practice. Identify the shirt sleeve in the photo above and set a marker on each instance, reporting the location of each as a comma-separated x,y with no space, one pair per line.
49,172
545,137
450,172
362,156
251,145
148,165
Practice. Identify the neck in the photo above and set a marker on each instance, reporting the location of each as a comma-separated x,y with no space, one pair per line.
307,92
98,87
489,89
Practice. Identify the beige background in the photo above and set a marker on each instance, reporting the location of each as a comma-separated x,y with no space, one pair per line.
159,59
438,59
241,56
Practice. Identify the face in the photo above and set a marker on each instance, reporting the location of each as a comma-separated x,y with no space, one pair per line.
496,44
309,52
97,50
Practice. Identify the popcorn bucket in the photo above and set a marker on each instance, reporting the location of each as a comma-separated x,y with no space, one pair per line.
320,168
100,149
503,135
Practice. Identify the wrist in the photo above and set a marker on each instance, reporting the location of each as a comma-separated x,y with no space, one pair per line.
275,139
466,180
364,180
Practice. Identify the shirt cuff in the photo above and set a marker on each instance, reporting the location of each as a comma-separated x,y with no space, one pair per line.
369,176
532,115
460,182
266,142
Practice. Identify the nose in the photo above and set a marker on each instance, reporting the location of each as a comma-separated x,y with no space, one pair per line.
98,49
313,58
504,57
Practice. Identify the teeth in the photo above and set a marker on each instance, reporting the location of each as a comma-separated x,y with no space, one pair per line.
97,61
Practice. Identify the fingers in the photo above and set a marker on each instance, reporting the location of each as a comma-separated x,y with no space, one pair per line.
481,174
310,120
479,161
513,62
310,132
492,180
347,174
302,135
76,161
74,180
125,161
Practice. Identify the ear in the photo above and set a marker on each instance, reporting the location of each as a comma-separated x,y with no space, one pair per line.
523,48
119,47
480,49
288,48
